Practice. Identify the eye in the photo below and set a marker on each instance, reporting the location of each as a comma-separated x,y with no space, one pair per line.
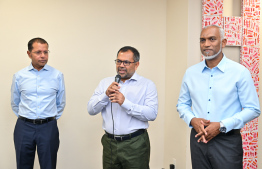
119,61
212,39
45,52
202,40
126,62
38,52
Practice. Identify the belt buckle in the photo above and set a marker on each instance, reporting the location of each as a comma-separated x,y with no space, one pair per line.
34,122
121,137
41,121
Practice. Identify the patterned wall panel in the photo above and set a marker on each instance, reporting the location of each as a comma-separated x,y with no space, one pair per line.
212,12
251,31
212,7
250,59
212,20
250,8
233,30
250,53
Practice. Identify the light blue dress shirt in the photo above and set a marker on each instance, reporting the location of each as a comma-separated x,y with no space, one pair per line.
225,93
139,107
38,94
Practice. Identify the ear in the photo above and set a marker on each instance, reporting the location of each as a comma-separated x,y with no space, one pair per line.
224,42
28,53
137,64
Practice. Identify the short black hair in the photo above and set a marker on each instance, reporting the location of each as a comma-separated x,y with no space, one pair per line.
38,40
136,55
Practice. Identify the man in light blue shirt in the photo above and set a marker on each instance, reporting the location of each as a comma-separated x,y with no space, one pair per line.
126,108
217,98
38,100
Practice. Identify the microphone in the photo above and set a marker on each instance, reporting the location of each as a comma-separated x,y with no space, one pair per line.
117,78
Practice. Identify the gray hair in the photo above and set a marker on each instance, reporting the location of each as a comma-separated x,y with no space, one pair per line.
221,31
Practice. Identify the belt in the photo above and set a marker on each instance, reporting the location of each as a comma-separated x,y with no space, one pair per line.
126,137
37,121
232,132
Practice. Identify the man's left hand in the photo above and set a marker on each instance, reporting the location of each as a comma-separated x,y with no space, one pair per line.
212,131
117,97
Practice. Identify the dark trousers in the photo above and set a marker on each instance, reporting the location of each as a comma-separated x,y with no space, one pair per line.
29,136
222,152
129,154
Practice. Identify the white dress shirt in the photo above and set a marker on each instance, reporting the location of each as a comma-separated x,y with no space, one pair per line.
139,107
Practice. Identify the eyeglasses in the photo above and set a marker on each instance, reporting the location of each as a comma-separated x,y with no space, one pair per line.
40,52
125,62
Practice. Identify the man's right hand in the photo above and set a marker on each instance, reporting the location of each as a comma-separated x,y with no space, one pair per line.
112,88
199,125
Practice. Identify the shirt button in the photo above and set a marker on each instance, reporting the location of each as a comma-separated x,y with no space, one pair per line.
209,100
210,88
208,112
211,75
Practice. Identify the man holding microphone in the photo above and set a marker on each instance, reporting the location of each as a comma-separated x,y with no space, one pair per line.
126,107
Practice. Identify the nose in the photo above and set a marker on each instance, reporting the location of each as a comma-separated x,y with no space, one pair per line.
207,43
122,64
42,54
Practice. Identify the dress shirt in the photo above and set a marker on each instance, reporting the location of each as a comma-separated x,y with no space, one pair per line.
139,107
224,93
38,94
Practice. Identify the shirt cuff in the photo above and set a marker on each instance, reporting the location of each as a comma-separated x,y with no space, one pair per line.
228,124
127,105
188,120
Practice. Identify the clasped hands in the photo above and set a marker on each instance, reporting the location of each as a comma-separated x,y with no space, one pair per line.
205,129
114,94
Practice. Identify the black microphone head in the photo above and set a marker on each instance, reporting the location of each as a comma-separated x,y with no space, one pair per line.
117,78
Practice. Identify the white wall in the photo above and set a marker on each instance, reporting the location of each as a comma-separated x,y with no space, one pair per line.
176,64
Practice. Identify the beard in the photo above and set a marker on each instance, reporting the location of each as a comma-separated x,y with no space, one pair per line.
213,56
126,75
123,76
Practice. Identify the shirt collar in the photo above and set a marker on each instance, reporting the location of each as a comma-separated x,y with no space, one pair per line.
134,77
31,67
221,66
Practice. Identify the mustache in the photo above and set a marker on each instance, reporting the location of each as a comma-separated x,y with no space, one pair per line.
121,69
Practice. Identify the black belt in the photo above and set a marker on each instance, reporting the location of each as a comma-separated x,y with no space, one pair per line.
231,132
37,121
126,137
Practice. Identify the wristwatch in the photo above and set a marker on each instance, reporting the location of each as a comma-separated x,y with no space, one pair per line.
222,128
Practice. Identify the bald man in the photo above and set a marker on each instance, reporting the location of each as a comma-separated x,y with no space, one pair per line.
217,98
